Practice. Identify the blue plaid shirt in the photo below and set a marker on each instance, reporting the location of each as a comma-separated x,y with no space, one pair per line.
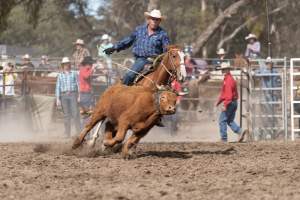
66,82
143,44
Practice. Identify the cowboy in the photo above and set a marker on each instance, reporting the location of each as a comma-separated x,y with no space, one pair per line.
221,58
229,97
26,62
148,41
85,87
253,47
79,53
67,95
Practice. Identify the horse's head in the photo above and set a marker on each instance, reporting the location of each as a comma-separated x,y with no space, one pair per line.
176,62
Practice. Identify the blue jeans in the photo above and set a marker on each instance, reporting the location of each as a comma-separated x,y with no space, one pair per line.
138,66
86,100
70,110
227,118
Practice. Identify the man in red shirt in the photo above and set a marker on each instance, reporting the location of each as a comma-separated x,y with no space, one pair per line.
228,96
85,87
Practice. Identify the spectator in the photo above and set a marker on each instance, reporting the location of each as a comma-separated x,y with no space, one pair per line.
67,95
253,47
9,78
190,66
26,62
268,80
85,87
106,43
221,58
44,62
79,53
229,97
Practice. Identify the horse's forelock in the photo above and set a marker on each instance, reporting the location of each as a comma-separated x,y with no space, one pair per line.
173,47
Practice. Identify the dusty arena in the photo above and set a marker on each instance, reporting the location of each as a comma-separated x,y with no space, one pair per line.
261,170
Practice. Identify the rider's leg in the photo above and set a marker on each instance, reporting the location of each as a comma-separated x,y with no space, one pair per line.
137,67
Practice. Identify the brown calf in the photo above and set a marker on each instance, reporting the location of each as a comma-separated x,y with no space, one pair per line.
135,107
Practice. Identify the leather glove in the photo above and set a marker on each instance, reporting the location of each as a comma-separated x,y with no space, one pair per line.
109,51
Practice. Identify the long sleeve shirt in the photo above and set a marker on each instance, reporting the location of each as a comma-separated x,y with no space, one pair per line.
145,45
253,50
66,82
78,56
85,75
229,91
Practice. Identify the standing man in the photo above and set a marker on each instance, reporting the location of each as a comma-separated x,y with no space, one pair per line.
85,87
229,97
253,47
79,53
148,41
106,43
67,95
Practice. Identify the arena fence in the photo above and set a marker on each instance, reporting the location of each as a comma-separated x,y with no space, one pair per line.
262,109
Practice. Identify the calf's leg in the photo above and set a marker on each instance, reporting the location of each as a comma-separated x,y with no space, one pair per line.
122,129
132,142
96,117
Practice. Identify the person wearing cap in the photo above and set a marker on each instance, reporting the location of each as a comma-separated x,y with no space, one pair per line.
148,40
67,95
221,53
79,53
85,87
229,97
253,47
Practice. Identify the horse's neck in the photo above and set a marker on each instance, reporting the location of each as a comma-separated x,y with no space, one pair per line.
160,76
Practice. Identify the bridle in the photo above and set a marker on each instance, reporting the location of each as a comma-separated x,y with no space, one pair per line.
173,72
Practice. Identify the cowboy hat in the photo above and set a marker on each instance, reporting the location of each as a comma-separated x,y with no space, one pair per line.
105,37
79,41
224,65
269,60
154,14
65,60
26,56
250,36
221,51
88,60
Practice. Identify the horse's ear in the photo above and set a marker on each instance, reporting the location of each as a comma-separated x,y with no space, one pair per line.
169,47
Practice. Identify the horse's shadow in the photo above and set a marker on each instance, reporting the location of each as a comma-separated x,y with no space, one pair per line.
185,154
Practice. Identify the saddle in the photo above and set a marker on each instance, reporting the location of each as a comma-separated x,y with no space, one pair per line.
148,68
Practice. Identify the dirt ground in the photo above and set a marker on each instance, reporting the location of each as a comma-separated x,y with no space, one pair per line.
264,170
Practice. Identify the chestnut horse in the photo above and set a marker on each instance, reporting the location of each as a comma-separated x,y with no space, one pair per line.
170,68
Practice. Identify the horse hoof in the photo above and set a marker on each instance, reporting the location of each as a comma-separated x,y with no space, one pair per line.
117,148
77,142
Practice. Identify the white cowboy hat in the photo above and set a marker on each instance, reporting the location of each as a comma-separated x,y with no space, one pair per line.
224,65
221,51
79,41
155,14
269,60
105,37
250,36
26,56
65,60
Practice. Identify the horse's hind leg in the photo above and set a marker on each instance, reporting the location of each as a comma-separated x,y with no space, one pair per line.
96,117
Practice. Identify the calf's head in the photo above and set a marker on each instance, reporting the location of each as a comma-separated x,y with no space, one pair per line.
167,102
